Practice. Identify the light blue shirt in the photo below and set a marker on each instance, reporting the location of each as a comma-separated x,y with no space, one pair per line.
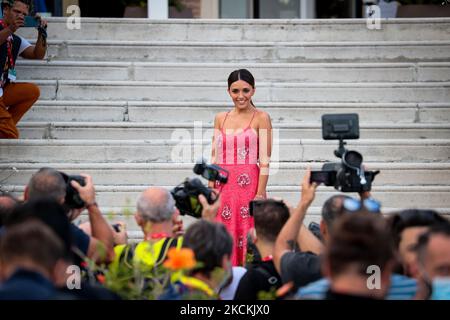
402,288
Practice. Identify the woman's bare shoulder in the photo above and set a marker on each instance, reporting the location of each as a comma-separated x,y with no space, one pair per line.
262,116
218,119
221,115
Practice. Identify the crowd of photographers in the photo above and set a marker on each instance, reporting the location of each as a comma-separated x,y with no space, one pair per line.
355,252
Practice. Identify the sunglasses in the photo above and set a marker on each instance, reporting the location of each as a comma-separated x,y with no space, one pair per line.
353,205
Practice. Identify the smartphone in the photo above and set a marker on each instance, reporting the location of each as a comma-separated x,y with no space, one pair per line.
31,22
322,177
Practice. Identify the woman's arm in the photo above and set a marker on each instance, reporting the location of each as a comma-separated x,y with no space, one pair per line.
265,152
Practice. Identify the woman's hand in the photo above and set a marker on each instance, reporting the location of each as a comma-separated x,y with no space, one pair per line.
259,197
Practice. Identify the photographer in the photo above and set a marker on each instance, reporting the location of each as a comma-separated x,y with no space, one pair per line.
158,219
303,266
270,216
17,98
48,182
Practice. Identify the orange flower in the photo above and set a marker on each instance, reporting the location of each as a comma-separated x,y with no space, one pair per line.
180,259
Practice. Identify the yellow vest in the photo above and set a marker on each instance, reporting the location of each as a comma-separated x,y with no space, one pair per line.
146,255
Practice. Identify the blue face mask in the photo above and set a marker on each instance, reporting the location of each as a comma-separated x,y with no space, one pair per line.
441,288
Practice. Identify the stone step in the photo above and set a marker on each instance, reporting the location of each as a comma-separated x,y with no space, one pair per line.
390,196
250,52
163,112
188,151
392,174
245,30
436,92
283,72
146,130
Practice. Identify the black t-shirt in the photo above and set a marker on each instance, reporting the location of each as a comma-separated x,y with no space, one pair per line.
300,267
80,240
261,276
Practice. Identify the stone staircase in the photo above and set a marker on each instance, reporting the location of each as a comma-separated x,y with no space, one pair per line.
124,100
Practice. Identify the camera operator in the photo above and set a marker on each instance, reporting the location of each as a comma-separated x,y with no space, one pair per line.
48,182
17,98
304,266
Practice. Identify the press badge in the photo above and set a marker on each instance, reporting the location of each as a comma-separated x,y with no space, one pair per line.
12,74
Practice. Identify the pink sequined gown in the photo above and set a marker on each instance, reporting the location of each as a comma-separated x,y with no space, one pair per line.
238,153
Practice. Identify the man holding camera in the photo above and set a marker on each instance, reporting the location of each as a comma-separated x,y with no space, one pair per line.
159,221
49,183
17,98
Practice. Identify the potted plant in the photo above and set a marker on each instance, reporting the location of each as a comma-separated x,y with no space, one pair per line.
423,8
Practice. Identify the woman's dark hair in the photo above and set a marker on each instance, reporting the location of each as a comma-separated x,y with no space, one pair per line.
241,74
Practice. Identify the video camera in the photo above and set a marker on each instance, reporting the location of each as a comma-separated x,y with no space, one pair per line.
349,174
73,200
186,194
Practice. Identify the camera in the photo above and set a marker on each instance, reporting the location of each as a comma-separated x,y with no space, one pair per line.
349,174
314,227
31,22
73,200
186,194
35,22
117,227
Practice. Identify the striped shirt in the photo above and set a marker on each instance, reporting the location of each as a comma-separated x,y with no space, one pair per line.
402,288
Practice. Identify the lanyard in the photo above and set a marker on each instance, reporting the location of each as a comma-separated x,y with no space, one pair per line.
268,258
197,284
8,45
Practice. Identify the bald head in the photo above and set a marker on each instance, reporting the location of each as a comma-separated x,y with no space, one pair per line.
47,183
156,205
333,209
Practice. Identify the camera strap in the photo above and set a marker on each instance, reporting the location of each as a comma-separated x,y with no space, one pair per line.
8,45
9,71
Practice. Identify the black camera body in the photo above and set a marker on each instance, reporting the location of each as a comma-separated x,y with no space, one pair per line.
186,194
73,200
349,174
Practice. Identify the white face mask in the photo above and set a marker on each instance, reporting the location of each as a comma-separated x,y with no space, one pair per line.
440,288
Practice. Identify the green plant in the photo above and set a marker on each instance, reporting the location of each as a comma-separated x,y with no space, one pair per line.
140,281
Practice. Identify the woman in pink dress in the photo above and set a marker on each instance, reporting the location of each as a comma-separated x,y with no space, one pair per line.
242,145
